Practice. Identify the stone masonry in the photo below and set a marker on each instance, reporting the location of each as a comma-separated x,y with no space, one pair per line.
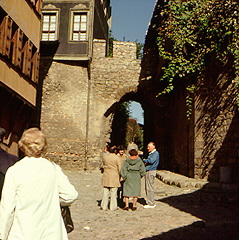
76,110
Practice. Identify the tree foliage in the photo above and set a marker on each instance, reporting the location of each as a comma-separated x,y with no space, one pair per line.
125,129
111,42
139,49
134,133
192,30
119,125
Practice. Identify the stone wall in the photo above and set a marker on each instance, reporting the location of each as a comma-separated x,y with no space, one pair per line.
111,79
63,115
216,125
76,103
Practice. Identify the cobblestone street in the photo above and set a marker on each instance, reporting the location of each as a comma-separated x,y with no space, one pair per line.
181,213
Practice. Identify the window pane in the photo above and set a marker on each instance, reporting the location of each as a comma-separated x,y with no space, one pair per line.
83,26
45,27
52,36
46,18
53,18
75,36
83,18
53,27
44,37
76,27
76,18
82,36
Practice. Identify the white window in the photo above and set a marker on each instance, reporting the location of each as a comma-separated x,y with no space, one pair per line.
79,26
49,26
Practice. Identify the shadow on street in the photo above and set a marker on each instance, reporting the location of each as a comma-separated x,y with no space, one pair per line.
218,211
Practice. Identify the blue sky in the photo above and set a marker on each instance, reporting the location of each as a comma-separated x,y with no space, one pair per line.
130,19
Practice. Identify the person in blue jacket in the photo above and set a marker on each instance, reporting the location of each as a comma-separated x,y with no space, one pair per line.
151,164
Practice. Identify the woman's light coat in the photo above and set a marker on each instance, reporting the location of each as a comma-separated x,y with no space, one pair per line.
33,190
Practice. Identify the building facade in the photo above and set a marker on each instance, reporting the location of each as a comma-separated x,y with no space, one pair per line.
81,84
69,27
19,66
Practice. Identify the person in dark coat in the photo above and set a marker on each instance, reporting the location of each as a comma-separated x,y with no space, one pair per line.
6,160
132,171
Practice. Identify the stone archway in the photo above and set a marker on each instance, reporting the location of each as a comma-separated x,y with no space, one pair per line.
77,123
120,119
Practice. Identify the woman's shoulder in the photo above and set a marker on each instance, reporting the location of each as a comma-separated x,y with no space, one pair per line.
127,160
139,160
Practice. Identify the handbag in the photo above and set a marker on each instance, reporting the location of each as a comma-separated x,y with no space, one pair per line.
66,215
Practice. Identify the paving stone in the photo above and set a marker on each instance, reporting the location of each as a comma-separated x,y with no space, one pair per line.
181,213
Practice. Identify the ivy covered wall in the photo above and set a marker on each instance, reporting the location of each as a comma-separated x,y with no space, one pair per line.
191,65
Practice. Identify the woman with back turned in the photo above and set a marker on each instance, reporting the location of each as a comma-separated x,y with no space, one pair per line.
33,191
132,171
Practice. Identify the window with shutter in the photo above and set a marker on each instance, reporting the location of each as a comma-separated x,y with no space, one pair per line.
5,36
17,48
79,26
35,67
27,57
49,26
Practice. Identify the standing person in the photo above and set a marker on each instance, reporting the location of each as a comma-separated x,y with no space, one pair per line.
151,166
105,152
132,170
110,179
6,160
122,155
33,191
132,145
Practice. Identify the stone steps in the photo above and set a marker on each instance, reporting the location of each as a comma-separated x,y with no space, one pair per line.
178,180
175,179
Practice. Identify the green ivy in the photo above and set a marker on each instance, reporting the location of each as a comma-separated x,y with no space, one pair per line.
191,30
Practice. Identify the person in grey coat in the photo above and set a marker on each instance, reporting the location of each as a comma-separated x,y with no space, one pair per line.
132,170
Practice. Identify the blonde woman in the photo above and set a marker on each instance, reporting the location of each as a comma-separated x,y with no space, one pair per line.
33,191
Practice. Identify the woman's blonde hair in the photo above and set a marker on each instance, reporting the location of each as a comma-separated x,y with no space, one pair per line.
32,142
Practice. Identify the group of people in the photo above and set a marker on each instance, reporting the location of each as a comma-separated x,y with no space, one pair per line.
33,192
125,171
33,189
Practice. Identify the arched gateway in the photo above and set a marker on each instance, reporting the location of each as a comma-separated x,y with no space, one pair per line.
77,103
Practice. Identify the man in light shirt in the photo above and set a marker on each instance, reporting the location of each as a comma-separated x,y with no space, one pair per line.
151,166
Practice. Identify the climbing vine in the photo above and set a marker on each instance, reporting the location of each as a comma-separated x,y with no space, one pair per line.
192,30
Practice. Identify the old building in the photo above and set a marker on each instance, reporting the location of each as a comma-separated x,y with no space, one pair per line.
206,145
19,66
69,27
81,84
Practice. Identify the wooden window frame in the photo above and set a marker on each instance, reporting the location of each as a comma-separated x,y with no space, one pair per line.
78,12
56,14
